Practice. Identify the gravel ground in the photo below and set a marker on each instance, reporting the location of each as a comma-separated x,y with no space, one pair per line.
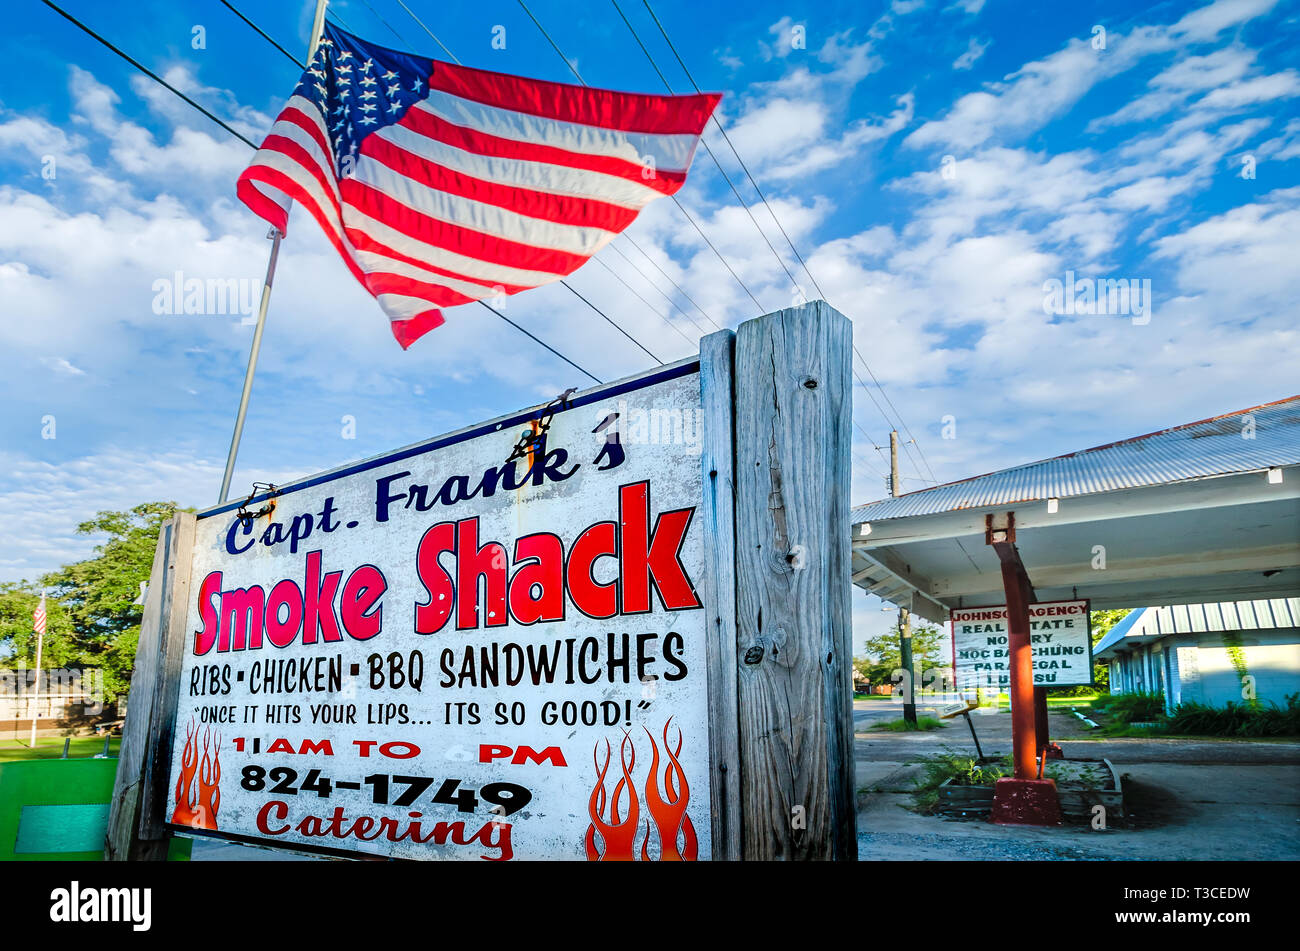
935,846
1187,799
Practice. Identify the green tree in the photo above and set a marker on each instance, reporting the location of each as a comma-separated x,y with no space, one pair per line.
93,618
1102,622
884,654
18,601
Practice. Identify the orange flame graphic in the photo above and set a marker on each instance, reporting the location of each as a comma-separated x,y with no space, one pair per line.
196,807
673,827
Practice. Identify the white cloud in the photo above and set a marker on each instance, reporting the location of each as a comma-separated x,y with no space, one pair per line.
785,32
974,50
61,365
1048,88
784,126
1209,21
831,152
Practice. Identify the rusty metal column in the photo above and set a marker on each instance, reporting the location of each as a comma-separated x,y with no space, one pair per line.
1016,586
1042,739
1023,728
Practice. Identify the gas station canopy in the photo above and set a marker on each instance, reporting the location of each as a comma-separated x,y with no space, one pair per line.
1206,511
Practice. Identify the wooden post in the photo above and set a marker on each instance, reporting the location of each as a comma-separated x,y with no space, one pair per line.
793,420
717,397
894,480
156,794
137,810
909,667
904,615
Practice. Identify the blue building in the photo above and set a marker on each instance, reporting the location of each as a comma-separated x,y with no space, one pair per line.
1208,653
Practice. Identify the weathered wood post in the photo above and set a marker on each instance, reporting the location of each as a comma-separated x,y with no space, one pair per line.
776,404
138,808
717,458
793,419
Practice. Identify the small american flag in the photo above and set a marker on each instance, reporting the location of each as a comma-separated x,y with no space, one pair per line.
440,185
38,616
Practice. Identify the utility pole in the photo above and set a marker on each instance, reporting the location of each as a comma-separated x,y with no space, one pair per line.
36,678
904,615
893,463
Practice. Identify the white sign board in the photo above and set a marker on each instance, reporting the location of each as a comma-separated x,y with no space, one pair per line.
1060,638
487,646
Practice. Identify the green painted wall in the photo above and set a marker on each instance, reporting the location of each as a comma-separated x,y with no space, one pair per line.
57,810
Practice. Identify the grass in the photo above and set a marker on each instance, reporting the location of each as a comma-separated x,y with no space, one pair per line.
961,769
1120,714
51,747
902,726
873,696
1084,703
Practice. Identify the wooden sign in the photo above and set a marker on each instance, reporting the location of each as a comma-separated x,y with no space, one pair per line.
1060,638
530,639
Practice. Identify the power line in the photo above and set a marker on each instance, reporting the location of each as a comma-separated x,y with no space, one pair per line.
721,129
618,277
771,211
262,33
541,342
429,31
162,82
721,170
380,18
573,69
735,191
565,283
682,290
670,301
144,69
612,324
567,62
606,317
575,72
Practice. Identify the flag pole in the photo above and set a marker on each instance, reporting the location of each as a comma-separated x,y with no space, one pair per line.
318,26
36,676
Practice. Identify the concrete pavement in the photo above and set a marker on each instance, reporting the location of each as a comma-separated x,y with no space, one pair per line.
1187,799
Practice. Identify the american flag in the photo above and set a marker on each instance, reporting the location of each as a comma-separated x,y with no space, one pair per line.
440,185
38,617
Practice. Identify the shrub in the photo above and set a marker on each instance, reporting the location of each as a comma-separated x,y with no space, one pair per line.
961,768
1132,707
1237,719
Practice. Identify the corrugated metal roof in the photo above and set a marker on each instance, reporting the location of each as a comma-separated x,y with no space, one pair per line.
1211,447
1152,623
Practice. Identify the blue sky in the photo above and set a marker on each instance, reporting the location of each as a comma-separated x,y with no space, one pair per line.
935,163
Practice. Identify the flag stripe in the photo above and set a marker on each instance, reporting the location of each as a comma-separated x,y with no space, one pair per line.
626,112
386,241
548,206
441,185
450,206
465,240
535,165
671,152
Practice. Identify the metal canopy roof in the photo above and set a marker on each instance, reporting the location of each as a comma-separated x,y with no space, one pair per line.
1149,624
1189,514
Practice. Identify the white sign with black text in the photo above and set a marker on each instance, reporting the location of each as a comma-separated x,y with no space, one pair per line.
487,646
1060,638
